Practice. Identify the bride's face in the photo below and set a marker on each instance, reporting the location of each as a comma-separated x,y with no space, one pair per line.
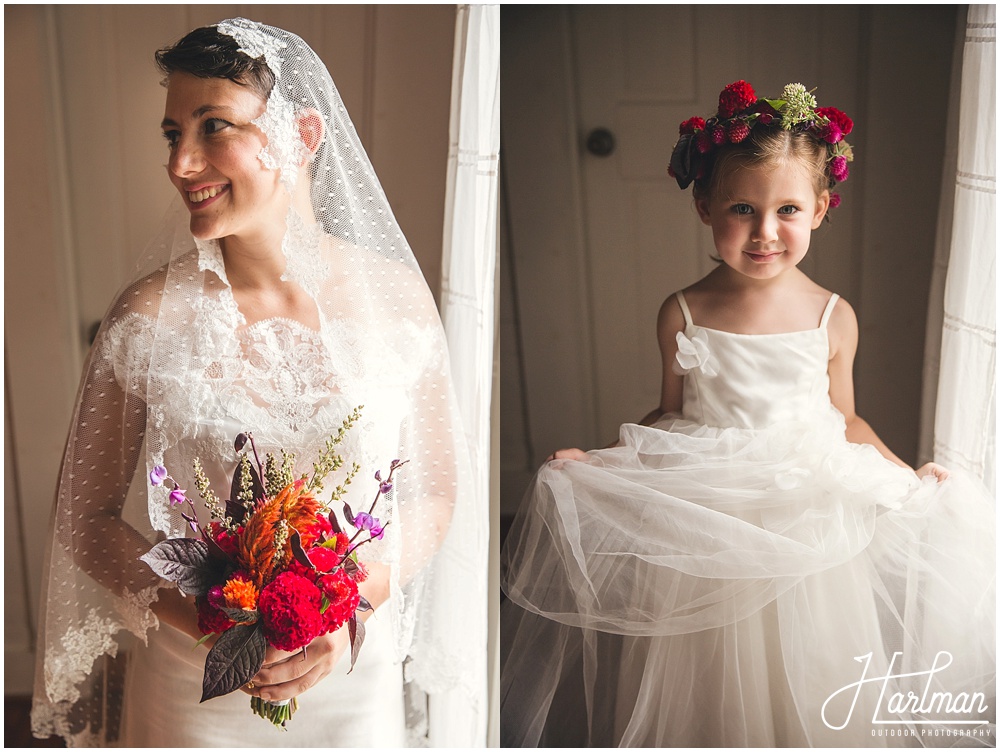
214,162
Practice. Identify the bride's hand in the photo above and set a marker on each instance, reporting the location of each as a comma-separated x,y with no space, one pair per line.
932,468
287,675
568,454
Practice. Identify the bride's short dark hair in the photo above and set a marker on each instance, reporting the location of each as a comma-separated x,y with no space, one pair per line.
208,53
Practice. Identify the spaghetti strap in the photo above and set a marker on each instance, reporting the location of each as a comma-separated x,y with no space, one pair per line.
684,308
828,311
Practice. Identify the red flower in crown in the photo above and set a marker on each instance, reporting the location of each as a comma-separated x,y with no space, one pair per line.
735,98
692,124
834,115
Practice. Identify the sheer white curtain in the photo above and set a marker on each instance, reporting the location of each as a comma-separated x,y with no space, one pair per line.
468,273
964,427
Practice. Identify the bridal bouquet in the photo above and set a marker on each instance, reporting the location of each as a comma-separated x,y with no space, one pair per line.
274,567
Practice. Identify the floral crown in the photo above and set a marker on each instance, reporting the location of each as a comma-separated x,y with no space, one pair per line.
740,110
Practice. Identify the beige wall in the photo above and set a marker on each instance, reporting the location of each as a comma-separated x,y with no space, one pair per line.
85,189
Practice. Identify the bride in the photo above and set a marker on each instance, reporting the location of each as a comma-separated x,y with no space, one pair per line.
280,296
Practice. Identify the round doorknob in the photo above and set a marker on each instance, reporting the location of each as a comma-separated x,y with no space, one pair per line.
600,142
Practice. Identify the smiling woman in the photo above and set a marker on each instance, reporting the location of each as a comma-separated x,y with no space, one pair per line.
279,297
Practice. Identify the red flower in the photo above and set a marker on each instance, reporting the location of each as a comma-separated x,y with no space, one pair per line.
210,618
289,609
360,574
342,592
718,134
342,542
227,541
692,124
831,133
315,531
703,142
834,115
324,559
737,131
834,200
735,98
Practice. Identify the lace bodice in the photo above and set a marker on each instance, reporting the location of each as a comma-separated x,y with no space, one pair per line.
753,380
290,385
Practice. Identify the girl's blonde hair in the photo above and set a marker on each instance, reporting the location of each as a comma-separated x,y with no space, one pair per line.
766,147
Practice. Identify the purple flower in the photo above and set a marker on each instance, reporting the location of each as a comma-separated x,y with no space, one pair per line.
157,475
177,495
385,488
378,475
838,168
364,521
831,133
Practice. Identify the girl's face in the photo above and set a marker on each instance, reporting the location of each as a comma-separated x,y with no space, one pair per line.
762,218
214,162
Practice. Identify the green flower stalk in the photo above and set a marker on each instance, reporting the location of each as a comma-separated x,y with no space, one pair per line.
799,106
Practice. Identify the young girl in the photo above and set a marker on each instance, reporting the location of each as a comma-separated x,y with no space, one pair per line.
751,565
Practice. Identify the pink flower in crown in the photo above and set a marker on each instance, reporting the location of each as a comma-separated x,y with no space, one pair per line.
693,354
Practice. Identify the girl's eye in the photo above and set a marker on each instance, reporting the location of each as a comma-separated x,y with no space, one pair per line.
214,125
742,209
172,138
788,209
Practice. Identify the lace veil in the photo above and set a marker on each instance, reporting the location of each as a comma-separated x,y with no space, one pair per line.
177,370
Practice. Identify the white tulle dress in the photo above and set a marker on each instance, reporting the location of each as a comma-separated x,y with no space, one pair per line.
727,577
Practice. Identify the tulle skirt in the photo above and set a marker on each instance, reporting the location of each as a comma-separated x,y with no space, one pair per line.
699,586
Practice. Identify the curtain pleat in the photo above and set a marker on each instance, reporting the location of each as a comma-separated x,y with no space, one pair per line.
965,411
468,273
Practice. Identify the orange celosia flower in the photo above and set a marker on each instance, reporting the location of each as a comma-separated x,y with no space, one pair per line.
240,593
257,548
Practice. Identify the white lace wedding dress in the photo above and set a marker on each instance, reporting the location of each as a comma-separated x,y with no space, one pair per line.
292,387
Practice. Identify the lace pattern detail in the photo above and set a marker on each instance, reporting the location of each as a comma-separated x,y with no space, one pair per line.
127,349
305,261
210,258
253,41
285,149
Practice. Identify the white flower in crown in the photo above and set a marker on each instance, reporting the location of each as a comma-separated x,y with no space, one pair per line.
693,353
249,35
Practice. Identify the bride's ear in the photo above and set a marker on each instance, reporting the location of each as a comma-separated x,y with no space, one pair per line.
311,129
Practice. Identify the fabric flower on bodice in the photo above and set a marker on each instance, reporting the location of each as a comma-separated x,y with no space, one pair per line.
693,354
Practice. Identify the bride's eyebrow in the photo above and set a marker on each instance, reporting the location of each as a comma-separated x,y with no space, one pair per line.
203,110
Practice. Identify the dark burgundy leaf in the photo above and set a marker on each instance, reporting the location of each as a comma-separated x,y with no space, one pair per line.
356,627
241,616
241,440
256,487
681,160
334,522
235,511
298,552
185,561
350,566
234,660
215,550
364,605
348,514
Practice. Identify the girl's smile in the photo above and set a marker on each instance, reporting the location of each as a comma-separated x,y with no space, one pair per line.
762,218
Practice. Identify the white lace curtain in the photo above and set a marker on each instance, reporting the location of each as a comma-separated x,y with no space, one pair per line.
468,268
964,426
